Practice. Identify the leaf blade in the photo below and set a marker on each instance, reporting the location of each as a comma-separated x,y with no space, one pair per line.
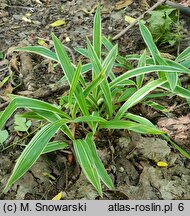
87,164
98,163
40,50
129,125
32,152
138,95
97,33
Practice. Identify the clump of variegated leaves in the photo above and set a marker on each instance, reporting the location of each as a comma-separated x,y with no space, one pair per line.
116,93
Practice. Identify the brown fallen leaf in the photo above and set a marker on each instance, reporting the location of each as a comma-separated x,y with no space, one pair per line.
3,13
122,4
14,62
6,91
118,70
178,129
185,3
144,4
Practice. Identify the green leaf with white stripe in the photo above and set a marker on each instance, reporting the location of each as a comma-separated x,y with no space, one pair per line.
108,64
28,103
171,77
40,51
69,72
141,63
156,106
98,163
87,164
110,60
90,118
129,125
138,96
74,83
32,151
63,59
145,121
95,61
180,91
97,33
54,146
53,117
139,119
82,51
182,151
184,55
108,45
144,70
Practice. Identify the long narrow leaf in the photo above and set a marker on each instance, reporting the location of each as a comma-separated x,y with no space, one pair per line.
175,64
171,77
85,69
107,95
74,83
139,119
145,121
40,51
108,45
184,55
49,116
95,61
29,103
129,125
53,117
82,51
139,95
110,60
97,33
69,72
63,59
182,92
32,151
182,151
156,106
186,63
86,164
54,146
89,119
82,101
120,59
111,56
141,63
145,70
32,115
98,163
126,94
150,43
108,63
95,82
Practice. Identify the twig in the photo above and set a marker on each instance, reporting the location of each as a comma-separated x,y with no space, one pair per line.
46,90
21,7
14,27
4,104
138,19
181,8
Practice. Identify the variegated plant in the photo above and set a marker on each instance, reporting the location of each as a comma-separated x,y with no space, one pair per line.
103,102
